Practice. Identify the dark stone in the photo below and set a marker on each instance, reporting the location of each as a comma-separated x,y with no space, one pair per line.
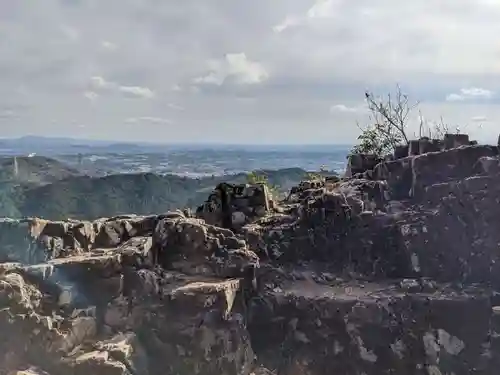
427,145
370,328
413,147
360,163
455,140
398,174
453,164
401,152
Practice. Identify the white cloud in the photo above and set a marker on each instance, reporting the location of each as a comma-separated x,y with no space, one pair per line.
321,9
324,9
147,119
138,92
416,39
276,66
344,108
99,83
288,22
477,92
235,67
470,93
90,95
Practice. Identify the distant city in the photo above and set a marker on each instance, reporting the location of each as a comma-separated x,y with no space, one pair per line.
191,160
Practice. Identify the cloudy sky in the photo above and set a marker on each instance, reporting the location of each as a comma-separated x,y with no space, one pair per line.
273,71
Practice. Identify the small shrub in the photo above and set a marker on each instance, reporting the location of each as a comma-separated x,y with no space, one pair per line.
389,121
389,125
256,178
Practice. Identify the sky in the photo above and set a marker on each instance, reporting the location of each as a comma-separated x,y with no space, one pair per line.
234,71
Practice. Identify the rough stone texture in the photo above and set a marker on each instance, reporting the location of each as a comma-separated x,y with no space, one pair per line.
466,245
454,164
308,327
359,163
455,140
78,331
407,177
198,248
233,206
488,165
394,270
425,145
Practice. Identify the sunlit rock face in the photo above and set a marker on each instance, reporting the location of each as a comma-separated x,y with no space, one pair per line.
391,270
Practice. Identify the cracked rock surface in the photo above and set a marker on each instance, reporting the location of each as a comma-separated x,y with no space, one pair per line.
394,270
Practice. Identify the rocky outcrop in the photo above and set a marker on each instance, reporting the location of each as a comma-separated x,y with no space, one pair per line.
125,303
233,206
316,325
33,240
409,176
359,163
391,271
179,325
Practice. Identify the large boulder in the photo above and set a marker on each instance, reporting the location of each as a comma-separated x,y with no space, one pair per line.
194,247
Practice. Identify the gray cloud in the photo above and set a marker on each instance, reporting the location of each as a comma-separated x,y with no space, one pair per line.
470,94
291,70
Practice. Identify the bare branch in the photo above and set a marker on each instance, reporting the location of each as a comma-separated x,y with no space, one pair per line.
389,120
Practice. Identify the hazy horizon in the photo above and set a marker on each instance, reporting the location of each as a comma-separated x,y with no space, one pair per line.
152,143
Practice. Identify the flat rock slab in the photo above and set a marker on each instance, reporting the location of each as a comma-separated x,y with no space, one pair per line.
368,328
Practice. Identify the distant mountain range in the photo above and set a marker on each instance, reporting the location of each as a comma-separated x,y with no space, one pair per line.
57,178
45,187
60,145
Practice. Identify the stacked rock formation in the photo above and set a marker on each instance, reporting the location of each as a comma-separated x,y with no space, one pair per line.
233,206
391,270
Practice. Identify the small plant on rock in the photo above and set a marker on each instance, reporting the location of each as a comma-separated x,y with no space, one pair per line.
256,178
389,118
313,176
321,174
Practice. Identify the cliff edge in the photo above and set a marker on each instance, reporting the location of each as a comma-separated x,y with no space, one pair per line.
393,269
